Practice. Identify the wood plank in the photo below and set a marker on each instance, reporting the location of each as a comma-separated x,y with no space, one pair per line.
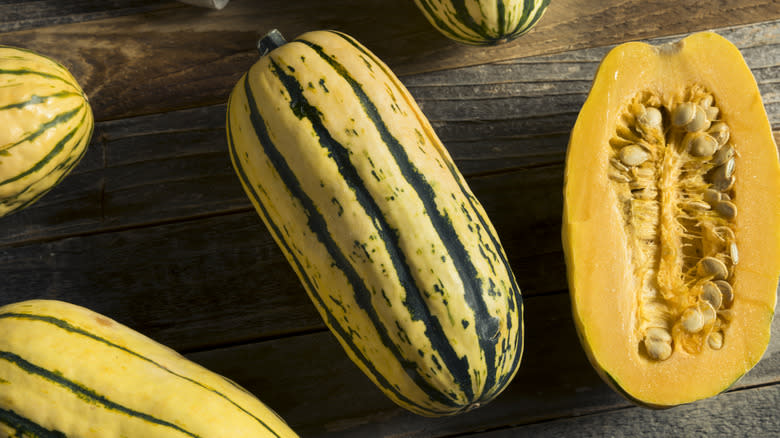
492,118
232,279
184,57
20,14
313,385
719,417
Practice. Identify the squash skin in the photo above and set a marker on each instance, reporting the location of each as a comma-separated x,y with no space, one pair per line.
394,250
483,22
47,125
130,386
597,261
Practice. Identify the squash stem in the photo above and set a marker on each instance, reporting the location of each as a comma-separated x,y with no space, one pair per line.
270,41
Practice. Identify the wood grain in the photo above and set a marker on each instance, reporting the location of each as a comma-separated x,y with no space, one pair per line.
231,277
20,14
312,384
181,57
154,217
154,230
493,118
719,417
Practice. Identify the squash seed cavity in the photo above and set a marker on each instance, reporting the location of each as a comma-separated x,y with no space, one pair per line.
673,168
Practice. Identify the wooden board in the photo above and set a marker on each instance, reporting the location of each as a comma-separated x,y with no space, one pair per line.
179,56
493,118
153,229
327,396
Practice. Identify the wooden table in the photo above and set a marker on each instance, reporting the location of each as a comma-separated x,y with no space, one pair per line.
153,229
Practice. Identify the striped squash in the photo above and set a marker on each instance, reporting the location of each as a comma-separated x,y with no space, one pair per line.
483,22
66,371
46,126
365,202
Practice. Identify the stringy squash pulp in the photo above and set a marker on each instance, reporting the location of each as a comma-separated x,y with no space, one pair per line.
671,220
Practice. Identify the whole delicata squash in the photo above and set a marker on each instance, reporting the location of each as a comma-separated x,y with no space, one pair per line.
671,224
45,126
365,202
67,371
483,22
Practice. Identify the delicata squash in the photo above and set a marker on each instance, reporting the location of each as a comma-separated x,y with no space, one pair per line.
45,126
671,225
66,371
483,22
369,209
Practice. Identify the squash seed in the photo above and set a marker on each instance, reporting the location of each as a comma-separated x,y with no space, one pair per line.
723,154
708,313
683,114
712,113
711,294
726,209
715,340
699,121
712,196
619,177
691,186
726,291
692,320
712,267
698,205
723,173
725,184
651,118
720,132
634,155
701,145
658,343
618,165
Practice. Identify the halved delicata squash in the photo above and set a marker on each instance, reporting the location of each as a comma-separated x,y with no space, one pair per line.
671,220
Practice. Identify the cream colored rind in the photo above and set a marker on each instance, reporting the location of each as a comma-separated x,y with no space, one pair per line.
47,125
358,230
71,370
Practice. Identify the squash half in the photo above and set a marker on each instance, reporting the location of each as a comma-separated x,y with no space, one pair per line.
635,271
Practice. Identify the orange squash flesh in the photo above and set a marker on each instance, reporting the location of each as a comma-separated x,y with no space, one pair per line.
600,273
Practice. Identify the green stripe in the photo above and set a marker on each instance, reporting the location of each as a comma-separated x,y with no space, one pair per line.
413,301
34,56
25,428
86,394
482,34
529,21
58,148
515,299
471,279
502,24
24,71
35,100
60,118
73,329
445,27
318,225
64,169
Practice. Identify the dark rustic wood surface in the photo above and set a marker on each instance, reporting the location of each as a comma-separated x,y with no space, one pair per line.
153,229
175,56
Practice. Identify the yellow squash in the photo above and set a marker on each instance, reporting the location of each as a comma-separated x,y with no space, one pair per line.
45,126
394,249
68,371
